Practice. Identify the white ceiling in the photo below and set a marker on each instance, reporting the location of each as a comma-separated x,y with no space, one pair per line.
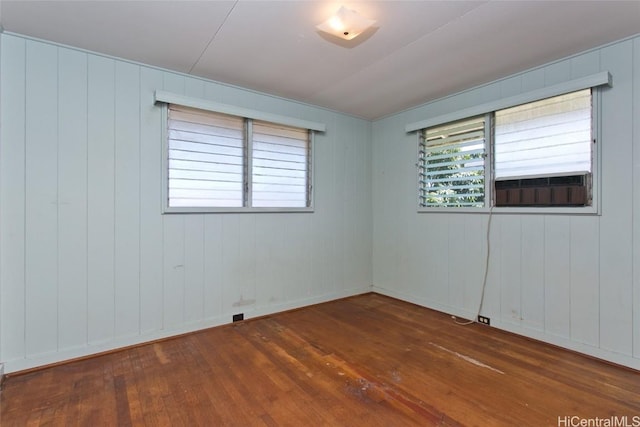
418,51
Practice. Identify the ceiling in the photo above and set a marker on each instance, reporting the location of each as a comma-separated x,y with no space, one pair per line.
418,50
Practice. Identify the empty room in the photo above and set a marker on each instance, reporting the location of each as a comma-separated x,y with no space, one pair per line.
319,213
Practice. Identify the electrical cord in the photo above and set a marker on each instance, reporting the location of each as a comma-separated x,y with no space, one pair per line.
484,279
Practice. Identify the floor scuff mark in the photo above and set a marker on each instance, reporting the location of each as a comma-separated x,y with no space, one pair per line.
467,358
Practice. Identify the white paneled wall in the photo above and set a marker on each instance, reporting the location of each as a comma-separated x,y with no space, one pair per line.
566,279
87,261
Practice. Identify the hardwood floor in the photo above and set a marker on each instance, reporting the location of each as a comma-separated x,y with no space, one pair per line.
367,360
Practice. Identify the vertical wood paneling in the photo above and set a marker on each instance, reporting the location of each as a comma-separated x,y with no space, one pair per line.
231,265
585,64
243,291
492,301
566,278
270,274
455,253
291,256
532,80
557,280
585,289
585,269
350,206
300,259
322,270
151,229
557,72
127,199
212,266
324,199
363,217
12,198
329,204
72,199
412,266
572,276
475,253
636,198
0,200
511,86
194,268
338,198
194,243
100,203
533,271
616,318
41,199
173,275
104,266
363,205
173,246
510,268
436,263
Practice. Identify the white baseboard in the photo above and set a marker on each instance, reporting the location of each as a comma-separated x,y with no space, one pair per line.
143,337
529,332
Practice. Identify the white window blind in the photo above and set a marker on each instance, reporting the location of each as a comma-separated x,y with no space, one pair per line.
220,162
546,138
280,165
451,164
205,158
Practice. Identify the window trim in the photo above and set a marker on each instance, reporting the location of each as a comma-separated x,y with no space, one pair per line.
594,209
165,97
166,209
593,81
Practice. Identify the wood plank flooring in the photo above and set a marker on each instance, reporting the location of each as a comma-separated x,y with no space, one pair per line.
368,360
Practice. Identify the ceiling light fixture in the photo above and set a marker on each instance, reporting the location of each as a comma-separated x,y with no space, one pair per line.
346,24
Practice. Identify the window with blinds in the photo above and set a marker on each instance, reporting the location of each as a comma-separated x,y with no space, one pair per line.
206,158
538,154
543,152
551,137
280,166
216,160
451,164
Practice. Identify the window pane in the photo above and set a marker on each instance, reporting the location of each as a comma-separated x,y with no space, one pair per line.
206,158
280,166
551,137
452,164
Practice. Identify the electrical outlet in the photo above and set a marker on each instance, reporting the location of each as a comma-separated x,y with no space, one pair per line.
484,320
238,317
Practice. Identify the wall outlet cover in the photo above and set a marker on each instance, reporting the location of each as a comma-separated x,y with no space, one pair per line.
484,320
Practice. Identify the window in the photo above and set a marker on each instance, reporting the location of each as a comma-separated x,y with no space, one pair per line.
452,164
543,152
538,154
280,166
217,161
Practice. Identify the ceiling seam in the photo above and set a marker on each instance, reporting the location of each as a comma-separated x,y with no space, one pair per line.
429,34
224,21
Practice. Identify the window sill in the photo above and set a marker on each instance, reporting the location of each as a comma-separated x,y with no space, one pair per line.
589,210
171,211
